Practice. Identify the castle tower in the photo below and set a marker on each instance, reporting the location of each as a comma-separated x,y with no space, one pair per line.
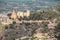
28,13
25,14
13,15
20,14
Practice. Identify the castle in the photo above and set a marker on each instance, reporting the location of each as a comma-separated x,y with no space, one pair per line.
19,14
13,15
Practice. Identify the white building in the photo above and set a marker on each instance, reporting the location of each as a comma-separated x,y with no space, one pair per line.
22,14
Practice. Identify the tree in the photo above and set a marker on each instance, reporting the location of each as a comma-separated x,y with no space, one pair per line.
57,31
44,27
14,22
20,18
24,18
